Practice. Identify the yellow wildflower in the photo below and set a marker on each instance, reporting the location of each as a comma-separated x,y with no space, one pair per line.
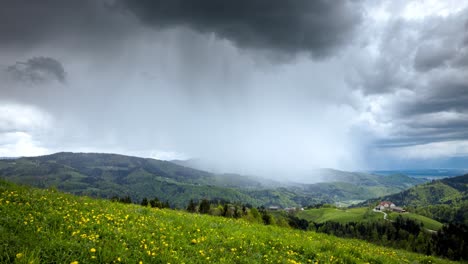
92,250
19,255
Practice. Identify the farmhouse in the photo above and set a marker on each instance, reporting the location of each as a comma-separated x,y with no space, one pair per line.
389,206
385,205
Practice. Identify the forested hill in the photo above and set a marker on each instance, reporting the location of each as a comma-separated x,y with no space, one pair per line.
445,191
109,175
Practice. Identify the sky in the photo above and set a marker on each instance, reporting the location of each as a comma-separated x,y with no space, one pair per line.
266,87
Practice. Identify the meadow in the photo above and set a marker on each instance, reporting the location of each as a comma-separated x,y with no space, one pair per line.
341,215
359,214
47,226
427,222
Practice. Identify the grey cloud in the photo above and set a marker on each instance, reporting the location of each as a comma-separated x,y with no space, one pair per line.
462,59
447,94
420,71
388,71
442,42
409,49
75,25
430,56
318,27
37,70
437,114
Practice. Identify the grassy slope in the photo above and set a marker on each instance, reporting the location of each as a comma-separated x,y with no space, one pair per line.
321,215
43,226
428,222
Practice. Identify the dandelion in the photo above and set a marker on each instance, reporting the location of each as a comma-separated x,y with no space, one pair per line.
92,250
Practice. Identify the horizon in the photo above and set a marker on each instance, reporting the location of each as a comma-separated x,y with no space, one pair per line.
200,166
349,85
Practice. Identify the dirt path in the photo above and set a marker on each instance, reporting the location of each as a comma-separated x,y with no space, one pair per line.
385,214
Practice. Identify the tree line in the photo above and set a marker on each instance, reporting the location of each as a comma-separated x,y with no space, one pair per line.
404,233
155,202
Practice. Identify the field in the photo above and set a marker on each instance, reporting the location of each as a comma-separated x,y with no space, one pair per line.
46,226
428,222
321,215
344,215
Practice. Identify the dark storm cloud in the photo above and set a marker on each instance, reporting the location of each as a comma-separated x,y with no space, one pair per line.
37,70
409,49
29,24
318,27
447,94
420,73
429,57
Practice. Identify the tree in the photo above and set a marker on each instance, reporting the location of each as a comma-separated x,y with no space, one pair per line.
192,207
267,218
126,200
144,202
244,210
225,210
237,213
155,203
298,223
204,206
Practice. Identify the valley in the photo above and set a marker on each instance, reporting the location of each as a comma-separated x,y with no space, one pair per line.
110,175
223,202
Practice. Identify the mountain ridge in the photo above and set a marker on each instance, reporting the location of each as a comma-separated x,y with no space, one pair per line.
108,175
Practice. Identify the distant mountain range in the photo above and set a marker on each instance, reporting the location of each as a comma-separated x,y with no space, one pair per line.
108,175
424,173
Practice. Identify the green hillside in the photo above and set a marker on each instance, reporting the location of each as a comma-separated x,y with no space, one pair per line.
321,215
444,200
46,226
109,175
445,191
428,222
343,186
359,214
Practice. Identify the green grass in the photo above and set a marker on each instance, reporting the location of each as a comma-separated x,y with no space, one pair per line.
46,226
321,215
344,215
428,222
